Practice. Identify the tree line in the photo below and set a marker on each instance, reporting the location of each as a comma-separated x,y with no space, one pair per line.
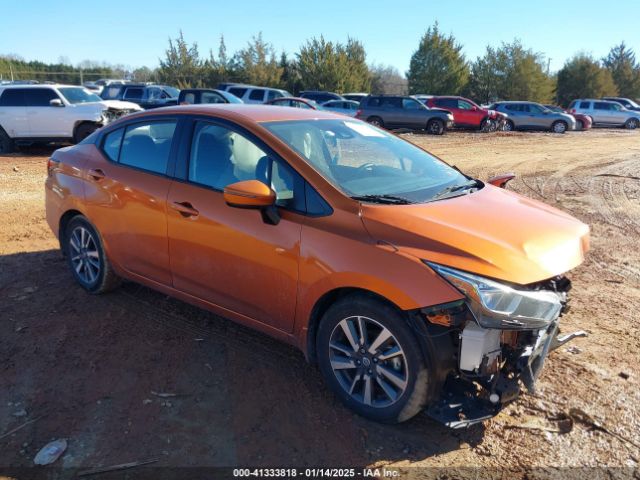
509,71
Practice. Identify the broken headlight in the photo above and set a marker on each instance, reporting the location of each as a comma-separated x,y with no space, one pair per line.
498,305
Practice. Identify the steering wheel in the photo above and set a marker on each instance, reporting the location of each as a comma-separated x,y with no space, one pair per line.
368,166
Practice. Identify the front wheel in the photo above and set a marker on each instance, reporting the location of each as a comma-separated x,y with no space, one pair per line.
559,127
86,257
371,360
83,131
376,122
632,124
435,126
508,126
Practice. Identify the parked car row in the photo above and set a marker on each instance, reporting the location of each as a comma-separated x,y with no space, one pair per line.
31,112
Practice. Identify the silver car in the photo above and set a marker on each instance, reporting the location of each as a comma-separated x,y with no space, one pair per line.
606,113
345,107
533,116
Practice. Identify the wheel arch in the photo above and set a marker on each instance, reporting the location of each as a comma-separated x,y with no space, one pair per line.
323,304
62,225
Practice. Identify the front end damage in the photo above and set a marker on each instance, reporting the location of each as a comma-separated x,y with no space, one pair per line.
488,346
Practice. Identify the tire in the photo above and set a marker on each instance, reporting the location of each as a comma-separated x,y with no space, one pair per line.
485,125
6,144
398,385
435,126
88,261
83,131
579,125
632,124
559,126
376,122
508,126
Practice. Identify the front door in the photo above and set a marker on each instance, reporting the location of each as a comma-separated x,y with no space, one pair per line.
126,194
229,256
44,119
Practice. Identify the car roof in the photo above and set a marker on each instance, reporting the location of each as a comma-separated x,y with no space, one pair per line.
243,112
40,85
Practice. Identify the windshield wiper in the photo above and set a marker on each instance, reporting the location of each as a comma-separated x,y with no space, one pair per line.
384,198
456,190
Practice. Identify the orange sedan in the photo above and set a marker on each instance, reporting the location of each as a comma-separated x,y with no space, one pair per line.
410,284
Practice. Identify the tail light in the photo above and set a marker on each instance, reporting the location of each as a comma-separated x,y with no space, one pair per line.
573,110
358,112
51,164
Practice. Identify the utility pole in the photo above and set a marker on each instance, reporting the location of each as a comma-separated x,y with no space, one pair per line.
81,82
11,71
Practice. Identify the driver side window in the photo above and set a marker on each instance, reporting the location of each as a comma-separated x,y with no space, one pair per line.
221,156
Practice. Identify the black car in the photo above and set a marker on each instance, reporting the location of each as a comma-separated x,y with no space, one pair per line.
625,102
401,111
145,95
193,96
320,97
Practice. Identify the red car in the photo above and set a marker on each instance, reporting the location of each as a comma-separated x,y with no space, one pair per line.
583,122
465,112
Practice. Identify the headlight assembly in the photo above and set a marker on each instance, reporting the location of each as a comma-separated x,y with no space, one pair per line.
497,305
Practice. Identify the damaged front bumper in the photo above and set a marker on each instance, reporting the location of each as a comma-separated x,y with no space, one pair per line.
491,364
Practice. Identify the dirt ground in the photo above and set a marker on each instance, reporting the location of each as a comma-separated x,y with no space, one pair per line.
89,368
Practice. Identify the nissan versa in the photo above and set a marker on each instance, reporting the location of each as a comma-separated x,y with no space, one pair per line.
411,285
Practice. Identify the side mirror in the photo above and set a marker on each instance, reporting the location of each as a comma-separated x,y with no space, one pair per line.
253,194
501,180
474,108
56,102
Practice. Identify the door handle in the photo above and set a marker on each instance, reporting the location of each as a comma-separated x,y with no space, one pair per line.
185,209
96,174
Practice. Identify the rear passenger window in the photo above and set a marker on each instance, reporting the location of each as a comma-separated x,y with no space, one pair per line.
601,106
256,95
111,145
147,146
13,97
133,93
238,92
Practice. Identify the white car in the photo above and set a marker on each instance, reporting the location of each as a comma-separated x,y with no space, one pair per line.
53,113
254,94
606,113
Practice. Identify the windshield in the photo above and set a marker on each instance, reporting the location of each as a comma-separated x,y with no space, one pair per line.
76,95
364,161
173,92
231,98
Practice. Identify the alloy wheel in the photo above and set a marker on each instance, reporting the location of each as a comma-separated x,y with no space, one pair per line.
559,127
84,255
368,361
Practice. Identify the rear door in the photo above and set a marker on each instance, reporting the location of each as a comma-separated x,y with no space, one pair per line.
229,256
44,119
392,112
126,195
13,112
602,113
414,113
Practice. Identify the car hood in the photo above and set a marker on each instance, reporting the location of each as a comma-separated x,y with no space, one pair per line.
121,105
491,232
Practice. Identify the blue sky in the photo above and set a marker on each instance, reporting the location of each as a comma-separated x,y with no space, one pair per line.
135,33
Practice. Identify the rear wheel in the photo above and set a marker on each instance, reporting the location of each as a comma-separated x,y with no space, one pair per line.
559,127
435,126
376,121
6,144
632,124
508,126
86,257
580,125
371,359
83,131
